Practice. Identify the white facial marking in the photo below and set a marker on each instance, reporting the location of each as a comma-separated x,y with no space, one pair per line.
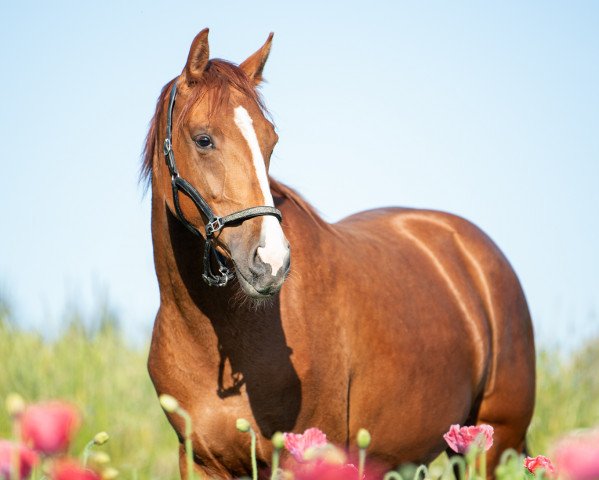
275,250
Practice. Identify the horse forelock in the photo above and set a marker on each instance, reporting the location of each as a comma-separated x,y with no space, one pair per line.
214,87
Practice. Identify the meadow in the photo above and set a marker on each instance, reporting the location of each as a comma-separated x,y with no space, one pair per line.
91,364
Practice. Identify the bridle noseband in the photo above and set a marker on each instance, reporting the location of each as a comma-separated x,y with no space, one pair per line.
215,223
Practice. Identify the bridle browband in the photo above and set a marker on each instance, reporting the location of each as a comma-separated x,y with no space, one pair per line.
215,223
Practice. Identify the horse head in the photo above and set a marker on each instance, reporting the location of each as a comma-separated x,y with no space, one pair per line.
222,141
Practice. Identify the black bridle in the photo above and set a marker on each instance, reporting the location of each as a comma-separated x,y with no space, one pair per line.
215,223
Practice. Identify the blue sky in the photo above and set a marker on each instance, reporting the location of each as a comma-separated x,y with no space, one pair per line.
488,110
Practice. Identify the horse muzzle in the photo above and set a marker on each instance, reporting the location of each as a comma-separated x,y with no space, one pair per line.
263,270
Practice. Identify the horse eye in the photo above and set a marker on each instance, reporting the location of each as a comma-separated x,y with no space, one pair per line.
204,141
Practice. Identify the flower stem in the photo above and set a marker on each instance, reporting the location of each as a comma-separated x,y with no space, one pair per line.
461,464
471,456
509,455
361,463
482,465
86,451
278,442
392,475
188,446
421,470
274,473
253,452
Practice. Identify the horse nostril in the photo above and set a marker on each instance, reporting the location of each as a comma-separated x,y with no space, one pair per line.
256,265
269,266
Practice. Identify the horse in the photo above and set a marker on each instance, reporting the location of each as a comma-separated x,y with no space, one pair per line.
398,320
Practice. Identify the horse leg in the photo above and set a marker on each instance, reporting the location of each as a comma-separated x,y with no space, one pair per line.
505,437
508,398
508,409
199,471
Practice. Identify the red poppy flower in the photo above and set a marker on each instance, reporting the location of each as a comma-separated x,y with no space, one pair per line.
71,470
27,459
49,427
539,462
460,439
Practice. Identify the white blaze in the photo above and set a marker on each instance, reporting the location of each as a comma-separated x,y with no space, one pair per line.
271,235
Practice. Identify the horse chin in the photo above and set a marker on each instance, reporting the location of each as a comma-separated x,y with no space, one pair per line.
251,291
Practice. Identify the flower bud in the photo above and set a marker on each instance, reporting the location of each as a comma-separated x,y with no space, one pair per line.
99,458
363,438
168,402
327,453
14,404
278,440
109,473
101,438
243,425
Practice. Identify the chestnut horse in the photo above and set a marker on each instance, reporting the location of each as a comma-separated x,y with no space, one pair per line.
397,320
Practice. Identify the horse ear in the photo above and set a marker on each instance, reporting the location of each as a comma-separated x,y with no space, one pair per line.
254,64
197,60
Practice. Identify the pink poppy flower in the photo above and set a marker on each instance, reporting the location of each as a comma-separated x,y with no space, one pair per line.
577,456
27,459
539,462
298,443
460,439
326,471
71,470
49,427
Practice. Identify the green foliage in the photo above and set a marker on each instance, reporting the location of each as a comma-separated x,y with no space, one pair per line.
96,370
567,395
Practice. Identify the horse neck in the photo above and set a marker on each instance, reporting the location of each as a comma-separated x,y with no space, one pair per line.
178,256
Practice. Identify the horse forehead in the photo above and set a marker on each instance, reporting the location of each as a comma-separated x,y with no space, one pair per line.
224,115
253,112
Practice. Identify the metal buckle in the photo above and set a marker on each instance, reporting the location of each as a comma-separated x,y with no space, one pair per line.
224,271
225,276
167,147
214,226
218,281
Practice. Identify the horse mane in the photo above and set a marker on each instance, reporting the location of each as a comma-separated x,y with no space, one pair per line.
215,86
281,190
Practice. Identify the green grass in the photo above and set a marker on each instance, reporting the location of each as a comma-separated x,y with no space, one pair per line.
567,395
107,379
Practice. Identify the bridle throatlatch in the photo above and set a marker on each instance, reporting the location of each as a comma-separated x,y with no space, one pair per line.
215,223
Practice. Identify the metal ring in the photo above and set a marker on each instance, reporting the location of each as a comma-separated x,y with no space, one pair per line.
214,226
